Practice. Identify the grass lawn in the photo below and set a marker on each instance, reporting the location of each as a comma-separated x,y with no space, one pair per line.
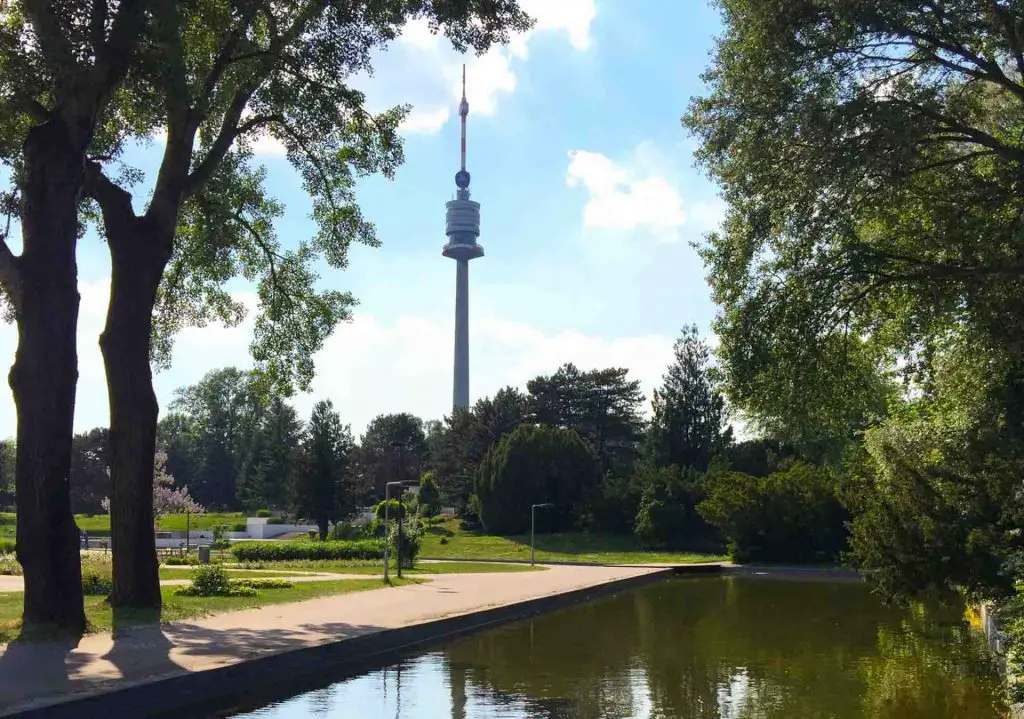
177,608
568,547
186,573
99,524
362,567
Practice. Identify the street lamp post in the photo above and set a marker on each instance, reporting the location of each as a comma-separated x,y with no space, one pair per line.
401,473
533,517
387,525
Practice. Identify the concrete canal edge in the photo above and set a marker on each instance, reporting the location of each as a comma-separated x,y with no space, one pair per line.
993,632
252,683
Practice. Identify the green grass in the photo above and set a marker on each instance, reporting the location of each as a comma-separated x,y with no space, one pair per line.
186,573
355,566
177,608
566,547
99,524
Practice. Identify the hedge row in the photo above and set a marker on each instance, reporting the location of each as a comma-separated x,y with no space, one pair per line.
6,546
282,551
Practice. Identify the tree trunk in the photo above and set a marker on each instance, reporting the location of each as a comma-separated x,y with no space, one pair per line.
43,380
138,257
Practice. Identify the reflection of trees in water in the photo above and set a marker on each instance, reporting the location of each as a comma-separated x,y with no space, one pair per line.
738,648
924,670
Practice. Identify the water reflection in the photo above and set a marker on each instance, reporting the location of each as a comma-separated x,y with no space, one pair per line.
715,648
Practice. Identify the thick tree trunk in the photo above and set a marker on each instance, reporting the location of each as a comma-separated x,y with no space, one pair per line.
138,258
43,380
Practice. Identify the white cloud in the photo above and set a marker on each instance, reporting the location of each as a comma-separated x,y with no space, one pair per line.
636,195
423,70
368,367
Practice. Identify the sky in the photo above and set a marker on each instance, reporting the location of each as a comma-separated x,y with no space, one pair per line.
590,203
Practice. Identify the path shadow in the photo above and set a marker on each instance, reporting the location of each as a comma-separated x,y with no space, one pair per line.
32,667
136,635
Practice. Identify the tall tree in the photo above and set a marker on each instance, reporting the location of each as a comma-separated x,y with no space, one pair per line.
467,435
224,411
90,462
871,167
222,75
688,422
268,469
392,450
536,464
602,406
61,65
322,488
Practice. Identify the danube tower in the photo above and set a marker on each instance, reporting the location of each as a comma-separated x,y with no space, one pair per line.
462,228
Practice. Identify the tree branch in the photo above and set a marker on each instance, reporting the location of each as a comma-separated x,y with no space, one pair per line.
114,201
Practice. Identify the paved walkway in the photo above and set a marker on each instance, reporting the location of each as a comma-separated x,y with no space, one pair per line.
37,672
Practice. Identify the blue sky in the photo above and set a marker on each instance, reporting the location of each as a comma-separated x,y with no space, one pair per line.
589,202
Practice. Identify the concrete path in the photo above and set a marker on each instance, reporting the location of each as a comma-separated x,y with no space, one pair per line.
36,673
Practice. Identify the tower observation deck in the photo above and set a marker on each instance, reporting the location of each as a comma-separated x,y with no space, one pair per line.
462,228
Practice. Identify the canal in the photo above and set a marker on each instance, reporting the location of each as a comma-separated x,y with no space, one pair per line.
712,647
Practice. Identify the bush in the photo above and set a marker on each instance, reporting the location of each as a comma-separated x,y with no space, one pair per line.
790,515
304,549
429,497
7,546
238,527
179,560
9,565
262,583
347,531
536,464
615,506
395,509
667,513
220,539
212,580
412,541
97,575
263,513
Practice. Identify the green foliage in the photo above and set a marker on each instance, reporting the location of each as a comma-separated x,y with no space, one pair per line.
7,546
177,560
411,541
391,450
266,474
602,406
88,480
688,424
220,540
536,464
261,584
324,485
395,509
212,580
459,445
614,507
429,497
209,433
9,565
282,551
264,513
348,531
97,575
791,515
667,514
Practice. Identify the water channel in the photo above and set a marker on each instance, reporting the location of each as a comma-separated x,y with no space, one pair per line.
708,648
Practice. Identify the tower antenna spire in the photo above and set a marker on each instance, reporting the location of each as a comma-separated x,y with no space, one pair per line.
463,113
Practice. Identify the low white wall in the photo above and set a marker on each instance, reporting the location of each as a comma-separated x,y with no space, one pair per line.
259,529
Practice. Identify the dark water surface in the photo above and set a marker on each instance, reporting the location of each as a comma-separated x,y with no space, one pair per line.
715,648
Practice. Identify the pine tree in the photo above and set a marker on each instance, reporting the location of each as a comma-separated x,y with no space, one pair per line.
688,412
322,488
265,477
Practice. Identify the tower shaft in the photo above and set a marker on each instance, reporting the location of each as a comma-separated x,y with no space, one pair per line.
460,394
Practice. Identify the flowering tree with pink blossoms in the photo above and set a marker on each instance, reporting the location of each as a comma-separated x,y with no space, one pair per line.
166,499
